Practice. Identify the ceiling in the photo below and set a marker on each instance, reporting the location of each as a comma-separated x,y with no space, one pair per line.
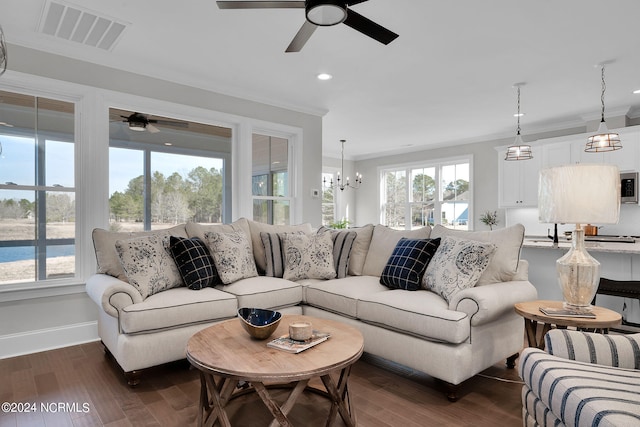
448,79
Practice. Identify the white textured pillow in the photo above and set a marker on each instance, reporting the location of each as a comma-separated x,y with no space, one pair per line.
359,249
456,265
148,264
308,256
232,255
383,243
508,242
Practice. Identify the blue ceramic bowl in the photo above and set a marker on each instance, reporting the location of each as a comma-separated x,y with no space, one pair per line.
258,322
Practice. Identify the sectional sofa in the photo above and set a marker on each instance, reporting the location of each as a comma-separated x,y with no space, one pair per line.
451,334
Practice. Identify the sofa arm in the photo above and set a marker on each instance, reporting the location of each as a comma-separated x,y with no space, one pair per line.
618,351
111,293
489,302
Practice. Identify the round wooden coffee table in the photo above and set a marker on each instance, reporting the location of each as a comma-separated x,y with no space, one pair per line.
533,317
228,357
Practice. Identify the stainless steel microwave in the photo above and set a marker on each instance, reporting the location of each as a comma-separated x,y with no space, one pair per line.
629,187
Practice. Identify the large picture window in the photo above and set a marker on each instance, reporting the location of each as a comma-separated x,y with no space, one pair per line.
419,195
37,188
169,172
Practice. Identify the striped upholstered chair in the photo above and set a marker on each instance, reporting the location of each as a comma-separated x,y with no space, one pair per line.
583,379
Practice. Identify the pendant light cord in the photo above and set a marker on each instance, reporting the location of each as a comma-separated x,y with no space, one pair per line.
604,87
518,129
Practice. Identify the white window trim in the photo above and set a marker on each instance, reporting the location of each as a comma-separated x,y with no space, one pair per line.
437,163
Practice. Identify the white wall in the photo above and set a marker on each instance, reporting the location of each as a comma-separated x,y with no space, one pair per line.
45,317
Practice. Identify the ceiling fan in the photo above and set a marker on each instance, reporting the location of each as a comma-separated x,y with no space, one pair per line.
321,13
140,122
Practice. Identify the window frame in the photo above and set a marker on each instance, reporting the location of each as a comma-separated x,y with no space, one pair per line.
407,168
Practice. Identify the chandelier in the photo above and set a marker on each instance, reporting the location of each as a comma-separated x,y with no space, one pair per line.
340,182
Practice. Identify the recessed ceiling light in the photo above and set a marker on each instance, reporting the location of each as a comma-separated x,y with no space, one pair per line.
168,144
636,91
324,76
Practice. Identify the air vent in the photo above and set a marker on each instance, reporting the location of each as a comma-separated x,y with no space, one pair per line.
74,23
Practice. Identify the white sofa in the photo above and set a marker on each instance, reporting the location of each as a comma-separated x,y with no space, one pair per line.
450,341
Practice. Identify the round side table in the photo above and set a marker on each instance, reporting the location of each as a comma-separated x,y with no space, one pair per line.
535,319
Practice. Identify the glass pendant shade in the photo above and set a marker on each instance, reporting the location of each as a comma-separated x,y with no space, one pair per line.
603,140
519,150
580,194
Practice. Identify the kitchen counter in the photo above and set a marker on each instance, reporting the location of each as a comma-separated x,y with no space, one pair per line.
542,242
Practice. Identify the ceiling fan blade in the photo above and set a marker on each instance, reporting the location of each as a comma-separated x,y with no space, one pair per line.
172,123
260,4
152,129
351,3
369,28
301,38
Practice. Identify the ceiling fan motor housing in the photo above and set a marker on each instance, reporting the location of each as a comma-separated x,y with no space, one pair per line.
326,12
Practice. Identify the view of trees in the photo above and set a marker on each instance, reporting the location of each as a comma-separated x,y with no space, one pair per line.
174,199
61,207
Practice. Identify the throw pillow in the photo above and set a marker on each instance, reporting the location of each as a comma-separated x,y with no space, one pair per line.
408,262
343,241
456,265
383,242
508,242
274,254
148,264
359,249
194,262
256,242
308,256
232,255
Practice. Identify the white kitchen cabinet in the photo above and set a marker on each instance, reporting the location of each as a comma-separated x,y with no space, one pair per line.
518,180
558,154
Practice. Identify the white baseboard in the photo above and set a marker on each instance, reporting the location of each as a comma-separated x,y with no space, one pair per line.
47,339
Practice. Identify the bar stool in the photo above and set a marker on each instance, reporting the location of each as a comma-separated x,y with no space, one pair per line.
618,288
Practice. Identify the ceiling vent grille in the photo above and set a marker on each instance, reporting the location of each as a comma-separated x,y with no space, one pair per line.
70,22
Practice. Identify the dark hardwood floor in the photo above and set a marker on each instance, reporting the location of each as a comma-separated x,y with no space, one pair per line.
80,386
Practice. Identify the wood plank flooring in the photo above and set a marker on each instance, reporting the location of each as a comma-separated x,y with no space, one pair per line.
93,392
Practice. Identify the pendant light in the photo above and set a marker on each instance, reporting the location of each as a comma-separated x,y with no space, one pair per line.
519,150
342,183
3,53
603,140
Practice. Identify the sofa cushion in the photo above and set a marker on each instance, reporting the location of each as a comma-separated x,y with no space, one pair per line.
175,308
409,260
359,249
308,256
508,241
383,242
194,262
148,264
457,265
104,243
419,313
342,244
341,295
195,229
256,242
232,255
264,292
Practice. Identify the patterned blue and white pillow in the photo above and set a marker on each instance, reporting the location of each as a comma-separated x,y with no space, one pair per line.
408,262
232,255
148,264
194,262
308,256
457,265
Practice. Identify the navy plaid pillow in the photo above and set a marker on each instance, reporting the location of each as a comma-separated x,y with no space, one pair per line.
408,262
194,262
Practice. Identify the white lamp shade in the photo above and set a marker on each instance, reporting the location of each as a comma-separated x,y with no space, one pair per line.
579,194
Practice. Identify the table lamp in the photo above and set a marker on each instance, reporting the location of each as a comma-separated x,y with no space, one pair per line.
579,194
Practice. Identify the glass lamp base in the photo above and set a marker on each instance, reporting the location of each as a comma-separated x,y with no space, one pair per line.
578,275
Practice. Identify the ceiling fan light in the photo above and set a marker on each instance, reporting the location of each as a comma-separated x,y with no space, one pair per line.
137,126
326,13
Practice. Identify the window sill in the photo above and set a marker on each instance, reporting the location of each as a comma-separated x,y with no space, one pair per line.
31,290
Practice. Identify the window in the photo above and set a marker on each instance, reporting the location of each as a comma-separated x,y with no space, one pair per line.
415,196
37,188
168,173
328,200
270,180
